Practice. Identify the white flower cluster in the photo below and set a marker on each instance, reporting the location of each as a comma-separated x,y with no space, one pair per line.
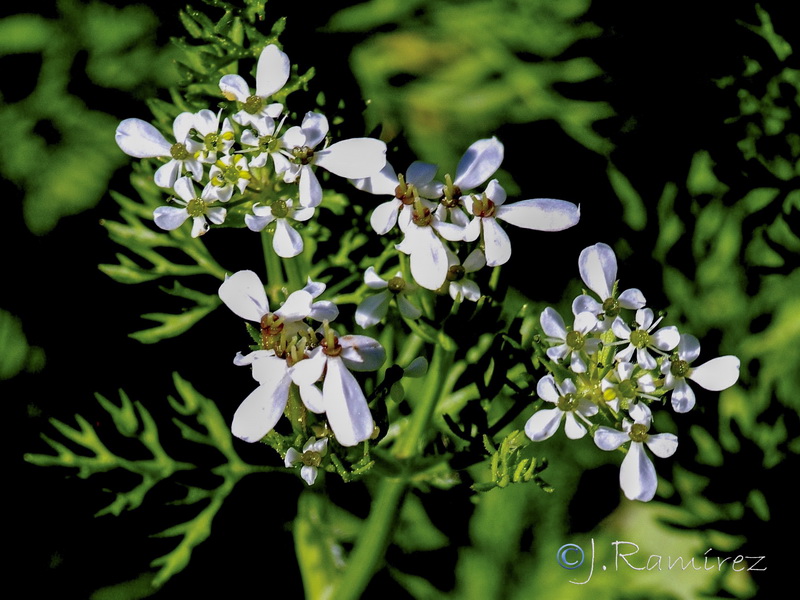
213,151
292,352
435,216
612,370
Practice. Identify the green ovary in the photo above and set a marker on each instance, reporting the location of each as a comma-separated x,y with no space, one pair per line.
640,339
196,207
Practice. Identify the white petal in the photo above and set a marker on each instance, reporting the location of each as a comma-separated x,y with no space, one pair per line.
495,192
408,310
475,261
641,413
428,259
362,353
296,307
310,189
688,348
354,158
574,428
216,215
543,424
553,324
309,474
345,405
497,244
473,230
234,86
645,318
311,396
384,217
287,242
662,445
666,338
244,294
717,374
632,299
470,290
384,183
167,174
260,411
546,389
140,139
205,121
449,231
420,173
255,223
645,360
182,125
598,268
479,162
294,138
610,439
292,457
683,398
584,322
185,189
315,288
584,303
373,280
373,309
170,217
541,214
637,476
272,71
315,128
323,310
308,371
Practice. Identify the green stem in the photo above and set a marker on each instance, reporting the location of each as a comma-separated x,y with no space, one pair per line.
272,263
374,538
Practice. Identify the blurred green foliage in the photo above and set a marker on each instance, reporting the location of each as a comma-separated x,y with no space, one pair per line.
17,354
443,74
64,152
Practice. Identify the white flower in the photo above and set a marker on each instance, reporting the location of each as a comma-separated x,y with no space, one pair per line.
286,241
598,267
544,423
619,384
637,476
172,217
715,375
458,286
373,309
570,344
266,143
417,183
272,73
353,159
342,398
244,294
642,339
227,173
215,141
312,454
542,214
140,139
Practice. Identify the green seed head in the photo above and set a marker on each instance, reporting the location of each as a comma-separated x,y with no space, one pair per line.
279,209
627,389
196,207
638,432
640,339
396,285
679,368
567,402
179,152
253,105
611,307
575,340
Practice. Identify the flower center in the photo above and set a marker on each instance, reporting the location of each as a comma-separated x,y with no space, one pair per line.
230,174
396,285
311,458
271,325
421,216
611,307
640,339
679,368
456,273
179,152
482,207
331,349
268,143
210,141
253,105
451,196
406,193
279,209
302,155
575,340
638,432
567,402
196,207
